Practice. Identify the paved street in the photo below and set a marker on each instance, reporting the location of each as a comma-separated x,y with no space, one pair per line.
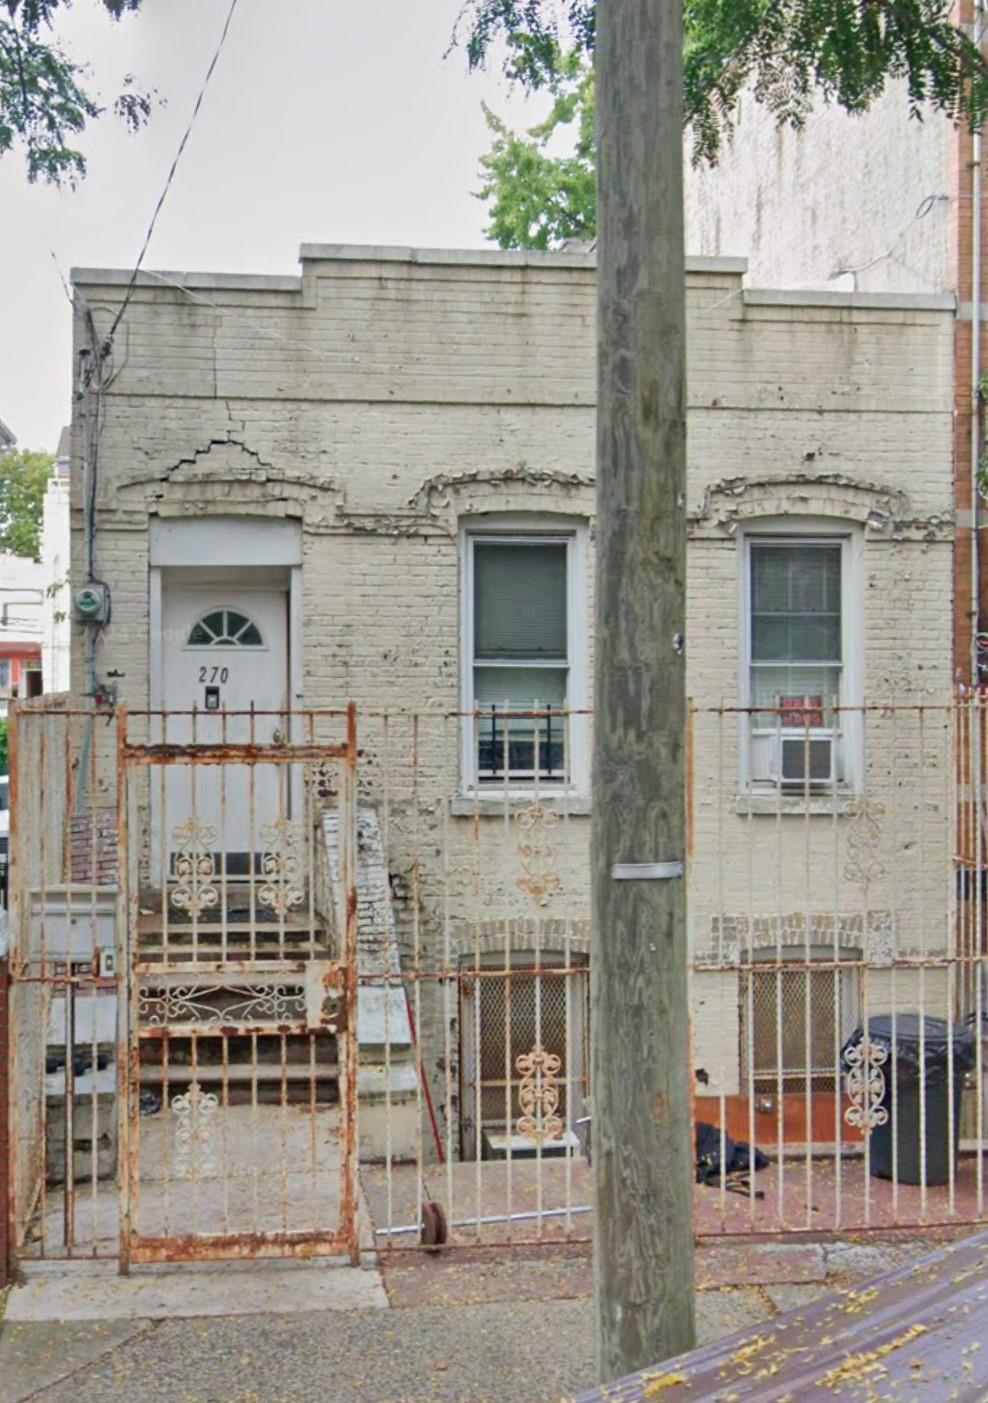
448,1331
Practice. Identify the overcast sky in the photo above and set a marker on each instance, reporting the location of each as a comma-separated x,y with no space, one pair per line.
326,121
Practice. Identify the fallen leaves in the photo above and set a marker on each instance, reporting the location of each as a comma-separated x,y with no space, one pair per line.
662,1382
857,1368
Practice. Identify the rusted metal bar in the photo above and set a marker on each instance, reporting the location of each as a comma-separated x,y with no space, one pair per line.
248,1246
10,1063
6,1188
68,1198
128,1056
231,753
349,1228
452,974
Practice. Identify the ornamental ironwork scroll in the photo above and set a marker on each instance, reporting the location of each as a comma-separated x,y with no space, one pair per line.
195,1149
282,866
537,854
538,1095
219,1004
865,1084
195,868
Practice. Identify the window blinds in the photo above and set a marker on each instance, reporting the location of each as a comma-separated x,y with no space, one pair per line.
519,593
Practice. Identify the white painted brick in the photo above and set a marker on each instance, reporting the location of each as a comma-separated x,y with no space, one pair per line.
379,379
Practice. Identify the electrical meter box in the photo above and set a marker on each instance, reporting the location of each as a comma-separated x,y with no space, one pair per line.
91,602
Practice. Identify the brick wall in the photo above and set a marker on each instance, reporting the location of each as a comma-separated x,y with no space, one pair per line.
843,192
398,397
93,847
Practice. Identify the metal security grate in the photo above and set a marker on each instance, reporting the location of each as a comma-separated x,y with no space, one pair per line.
507,1014
794,1022
522,747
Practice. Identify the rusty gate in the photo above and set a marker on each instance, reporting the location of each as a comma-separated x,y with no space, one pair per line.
183,985
238,1031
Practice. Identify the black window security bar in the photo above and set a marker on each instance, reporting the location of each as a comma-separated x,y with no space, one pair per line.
513,745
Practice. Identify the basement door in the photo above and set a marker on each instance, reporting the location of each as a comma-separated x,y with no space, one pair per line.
224,682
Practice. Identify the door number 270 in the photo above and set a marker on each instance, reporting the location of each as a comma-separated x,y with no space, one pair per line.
214,674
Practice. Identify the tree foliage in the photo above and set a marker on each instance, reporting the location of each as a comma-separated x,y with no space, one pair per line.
538,199
45,97
23,478
787,51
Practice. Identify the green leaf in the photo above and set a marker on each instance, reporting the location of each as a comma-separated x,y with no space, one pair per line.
45,101
23,478
787,51
537,199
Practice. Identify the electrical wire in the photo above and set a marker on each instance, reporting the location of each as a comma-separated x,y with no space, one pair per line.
174,166
922,210
95,380
61,277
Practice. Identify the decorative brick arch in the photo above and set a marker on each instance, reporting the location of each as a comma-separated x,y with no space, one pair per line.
449,497
550,935
883,512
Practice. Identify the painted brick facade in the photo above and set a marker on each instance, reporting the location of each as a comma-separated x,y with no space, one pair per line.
387,397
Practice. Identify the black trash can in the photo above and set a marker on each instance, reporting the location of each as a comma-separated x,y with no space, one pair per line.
939,1041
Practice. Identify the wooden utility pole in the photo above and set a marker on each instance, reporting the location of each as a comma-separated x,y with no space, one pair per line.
642,1133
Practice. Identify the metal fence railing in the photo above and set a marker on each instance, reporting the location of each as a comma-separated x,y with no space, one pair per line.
838,945
837,878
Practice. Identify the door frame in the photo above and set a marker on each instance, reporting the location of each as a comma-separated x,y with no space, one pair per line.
293,653
207,542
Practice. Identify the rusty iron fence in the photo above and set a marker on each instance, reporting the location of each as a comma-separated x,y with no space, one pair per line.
431,871
183,986
837,913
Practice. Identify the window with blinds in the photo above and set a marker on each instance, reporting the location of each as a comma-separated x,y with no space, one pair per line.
796,660
520,656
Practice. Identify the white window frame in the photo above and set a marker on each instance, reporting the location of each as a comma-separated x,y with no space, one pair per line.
527,528
849,739
214,643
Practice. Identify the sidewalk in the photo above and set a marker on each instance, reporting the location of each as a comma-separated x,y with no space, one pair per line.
422,1330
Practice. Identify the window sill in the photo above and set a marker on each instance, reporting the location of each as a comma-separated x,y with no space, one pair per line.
494,806
770,804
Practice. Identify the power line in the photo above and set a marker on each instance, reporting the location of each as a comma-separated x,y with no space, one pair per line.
62,278
171,174
922,210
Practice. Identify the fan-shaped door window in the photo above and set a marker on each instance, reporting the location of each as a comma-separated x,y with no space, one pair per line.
225,628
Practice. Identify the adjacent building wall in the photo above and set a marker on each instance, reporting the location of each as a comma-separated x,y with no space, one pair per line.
21,623
848,201
55,551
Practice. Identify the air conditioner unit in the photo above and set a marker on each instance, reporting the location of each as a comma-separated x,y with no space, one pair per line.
806,762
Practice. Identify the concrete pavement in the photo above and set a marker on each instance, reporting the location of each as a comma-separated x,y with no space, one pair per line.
450,1330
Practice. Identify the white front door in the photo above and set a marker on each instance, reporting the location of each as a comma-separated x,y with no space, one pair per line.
225,665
